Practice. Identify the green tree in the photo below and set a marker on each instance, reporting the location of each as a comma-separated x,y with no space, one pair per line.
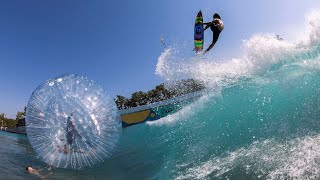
159,93
2,119
120,102
139,98
2,116
20,115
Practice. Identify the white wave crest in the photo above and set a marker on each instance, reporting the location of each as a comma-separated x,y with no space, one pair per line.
295,159
261,51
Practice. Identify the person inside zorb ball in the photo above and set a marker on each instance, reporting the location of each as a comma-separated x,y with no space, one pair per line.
72,123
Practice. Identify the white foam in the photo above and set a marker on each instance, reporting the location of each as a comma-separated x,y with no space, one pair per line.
185,112
261,51
295,159
271,158
313,28
163,67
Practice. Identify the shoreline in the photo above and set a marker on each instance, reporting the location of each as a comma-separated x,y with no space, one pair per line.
17,130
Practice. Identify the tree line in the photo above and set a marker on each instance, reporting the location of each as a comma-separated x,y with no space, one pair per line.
159,93
7,122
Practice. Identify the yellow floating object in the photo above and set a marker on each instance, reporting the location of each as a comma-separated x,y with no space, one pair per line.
135,117
152,115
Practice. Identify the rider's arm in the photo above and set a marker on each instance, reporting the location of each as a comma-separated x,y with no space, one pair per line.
207,25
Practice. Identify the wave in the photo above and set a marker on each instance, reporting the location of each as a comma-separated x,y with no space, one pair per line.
261,53
259,118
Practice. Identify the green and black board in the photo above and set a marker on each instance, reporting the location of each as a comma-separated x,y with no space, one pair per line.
198,33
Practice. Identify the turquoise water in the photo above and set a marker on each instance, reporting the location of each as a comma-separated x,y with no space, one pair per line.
258,120
260,127
251,130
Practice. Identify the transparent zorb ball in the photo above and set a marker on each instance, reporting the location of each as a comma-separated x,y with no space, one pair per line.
72,123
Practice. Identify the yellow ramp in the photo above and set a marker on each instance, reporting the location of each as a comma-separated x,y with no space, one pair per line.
135,117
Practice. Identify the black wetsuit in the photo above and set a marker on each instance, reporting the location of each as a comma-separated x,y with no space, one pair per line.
71,132
216,33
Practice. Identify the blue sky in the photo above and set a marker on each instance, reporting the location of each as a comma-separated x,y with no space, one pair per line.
116,43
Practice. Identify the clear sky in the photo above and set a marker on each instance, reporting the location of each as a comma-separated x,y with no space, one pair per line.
116,43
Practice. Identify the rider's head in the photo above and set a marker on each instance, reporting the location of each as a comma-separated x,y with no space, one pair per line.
216,15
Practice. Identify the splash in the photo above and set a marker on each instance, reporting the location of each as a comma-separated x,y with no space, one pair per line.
261,53
261,117
268,159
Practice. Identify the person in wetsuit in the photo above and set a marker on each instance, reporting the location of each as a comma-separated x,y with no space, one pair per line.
71,132
71,135
216,27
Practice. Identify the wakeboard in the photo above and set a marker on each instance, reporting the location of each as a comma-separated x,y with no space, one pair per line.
198,33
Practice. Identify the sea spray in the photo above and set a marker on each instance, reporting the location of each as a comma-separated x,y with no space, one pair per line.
259,119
